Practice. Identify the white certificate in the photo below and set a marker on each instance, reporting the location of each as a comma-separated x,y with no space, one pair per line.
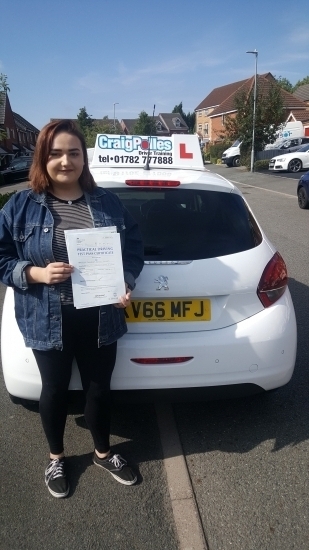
97,278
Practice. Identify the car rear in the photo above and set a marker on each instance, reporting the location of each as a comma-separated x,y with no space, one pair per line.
211,305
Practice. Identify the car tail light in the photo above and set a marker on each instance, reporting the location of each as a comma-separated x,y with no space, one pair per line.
273,281
153,183
160,360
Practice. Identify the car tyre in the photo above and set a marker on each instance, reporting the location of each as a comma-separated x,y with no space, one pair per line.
303,199
295,165
236,162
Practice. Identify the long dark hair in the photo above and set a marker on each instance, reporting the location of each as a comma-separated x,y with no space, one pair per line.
39,178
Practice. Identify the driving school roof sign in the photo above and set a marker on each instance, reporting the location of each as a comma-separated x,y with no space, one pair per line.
177,151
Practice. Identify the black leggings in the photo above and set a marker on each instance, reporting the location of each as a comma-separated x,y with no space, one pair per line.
80,340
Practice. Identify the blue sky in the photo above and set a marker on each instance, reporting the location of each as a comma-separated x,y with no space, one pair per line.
61,55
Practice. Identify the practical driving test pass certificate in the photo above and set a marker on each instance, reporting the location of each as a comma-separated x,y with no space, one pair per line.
97,278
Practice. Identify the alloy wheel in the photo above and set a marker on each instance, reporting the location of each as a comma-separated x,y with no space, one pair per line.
295,165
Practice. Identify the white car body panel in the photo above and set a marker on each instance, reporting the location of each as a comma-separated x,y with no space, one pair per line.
242,343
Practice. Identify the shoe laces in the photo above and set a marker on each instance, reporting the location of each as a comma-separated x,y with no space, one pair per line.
54,469
118,461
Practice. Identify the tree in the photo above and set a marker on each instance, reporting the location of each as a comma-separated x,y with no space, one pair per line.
145,125
97,127
285,84
189,118
301,83
4,87
84,120
269,115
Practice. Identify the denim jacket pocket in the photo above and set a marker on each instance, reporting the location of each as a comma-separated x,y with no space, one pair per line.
22,238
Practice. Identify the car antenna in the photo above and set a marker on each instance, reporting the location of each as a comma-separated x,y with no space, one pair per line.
146,167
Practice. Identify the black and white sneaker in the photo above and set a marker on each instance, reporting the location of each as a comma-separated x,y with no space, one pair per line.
55,478
117,466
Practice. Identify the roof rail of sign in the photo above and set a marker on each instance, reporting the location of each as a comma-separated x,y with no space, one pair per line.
176,151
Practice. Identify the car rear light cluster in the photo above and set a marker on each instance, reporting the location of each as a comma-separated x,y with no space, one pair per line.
153,183
160,360
273,282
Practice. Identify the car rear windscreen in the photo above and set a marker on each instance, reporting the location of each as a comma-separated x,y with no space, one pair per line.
190,224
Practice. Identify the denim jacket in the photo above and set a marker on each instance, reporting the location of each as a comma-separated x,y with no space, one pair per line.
26,231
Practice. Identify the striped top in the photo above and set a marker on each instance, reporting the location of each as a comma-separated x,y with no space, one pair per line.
67,215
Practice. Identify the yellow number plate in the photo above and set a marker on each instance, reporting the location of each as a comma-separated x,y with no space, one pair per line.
144,311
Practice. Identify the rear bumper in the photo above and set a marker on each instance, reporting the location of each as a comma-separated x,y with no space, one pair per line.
259,351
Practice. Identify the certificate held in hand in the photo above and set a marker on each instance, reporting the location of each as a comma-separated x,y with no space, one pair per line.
97,278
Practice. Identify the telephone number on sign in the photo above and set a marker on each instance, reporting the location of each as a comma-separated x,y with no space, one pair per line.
134,159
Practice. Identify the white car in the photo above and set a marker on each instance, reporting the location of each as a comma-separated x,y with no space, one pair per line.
211,310
291,162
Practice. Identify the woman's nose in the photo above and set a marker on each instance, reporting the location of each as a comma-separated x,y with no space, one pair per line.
65,160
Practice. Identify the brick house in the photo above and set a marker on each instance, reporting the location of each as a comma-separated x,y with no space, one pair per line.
8,126
20,135
27,134
213,110
167,124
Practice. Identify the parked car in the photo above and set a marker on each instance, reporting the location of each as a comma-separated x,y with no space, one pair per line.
17,171
288,145
291,162
303,191
211,312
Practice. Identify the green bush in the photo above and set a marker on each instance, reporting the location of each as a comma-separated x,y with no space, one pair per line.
260,165
217,149
5,197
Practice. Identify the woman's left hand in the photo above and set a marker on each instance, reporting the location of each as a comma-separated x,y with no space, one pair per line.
125,300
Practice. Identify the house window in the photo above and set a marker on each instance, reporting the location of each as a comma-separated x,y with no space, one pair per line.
206,111
206,129
159,126
200,127
13,134
200,113
8,133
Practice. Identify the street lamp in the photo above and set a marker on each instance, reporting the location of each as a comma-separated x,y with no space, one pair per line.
114,116
255,52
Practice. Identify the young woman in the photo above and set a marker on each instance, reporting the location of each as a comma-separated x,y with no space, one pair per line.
34,261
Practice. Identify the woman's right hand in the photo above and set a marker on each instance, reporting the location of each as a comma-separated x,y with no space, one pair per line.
57,272
53,273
